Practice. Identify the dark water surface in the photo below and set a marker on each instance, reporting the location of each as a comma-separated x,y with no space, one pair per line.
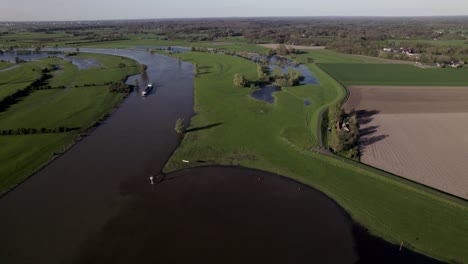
94,204
266,93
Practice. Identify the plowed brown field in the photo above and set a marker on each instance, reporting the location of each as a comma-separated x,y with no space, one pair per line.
420,133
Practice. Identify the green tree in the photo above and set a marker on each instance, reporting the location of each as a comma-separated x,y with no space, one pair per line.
282,50
239,80
260,73
180,126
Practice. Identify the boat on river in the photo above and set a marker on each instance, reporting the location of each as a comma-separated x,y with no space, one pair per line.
147,90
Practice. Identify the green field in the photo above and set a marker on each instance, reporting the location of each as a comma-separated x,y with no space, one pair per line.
76,108
394,74
4,65
279,138
23,155
329,56
18,78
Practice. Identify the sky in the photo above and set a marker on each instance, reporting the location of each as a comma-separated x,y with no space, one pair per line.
48,10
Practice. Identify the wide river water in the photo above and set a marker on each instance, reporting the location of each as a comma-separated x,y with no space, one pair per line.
94,204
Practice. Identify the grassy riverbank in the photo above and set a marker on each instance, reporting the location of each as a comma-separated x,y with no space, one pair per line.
76,108
232,128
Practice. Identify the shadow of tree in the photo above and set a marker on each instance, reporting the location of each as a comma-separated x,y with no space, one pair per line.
203,127
365,116
366,137
367,131
367,141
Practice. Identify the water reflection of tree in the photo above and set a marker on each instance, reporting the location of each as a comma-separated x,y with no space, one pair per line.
144,77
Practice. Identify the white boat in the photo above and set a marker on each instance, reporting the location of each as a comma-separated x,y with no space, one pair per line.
147,89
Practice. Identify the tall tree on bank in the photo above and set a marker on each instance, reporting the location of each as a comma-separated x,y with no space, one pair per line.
180,126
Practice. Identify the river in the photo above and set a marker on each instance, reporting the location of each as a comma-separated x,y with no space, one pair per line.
94,204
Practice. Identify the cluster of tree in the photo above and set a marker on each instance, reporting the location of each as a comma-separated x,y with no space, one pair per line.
28,131
344,132
204,49
119,87
90,84
290,79
283,50
262,73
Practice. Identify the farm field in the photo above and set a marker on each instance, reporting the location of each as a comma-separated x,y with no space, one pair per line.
282,138
394,75
415,132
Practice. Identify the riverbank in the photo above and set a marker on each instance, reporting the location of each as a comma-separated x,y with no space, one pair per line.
231,128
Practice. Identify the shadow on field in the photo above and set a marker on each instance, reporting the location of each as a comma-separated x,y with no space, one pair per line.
365,116
366,137
367,141
203,127
205,70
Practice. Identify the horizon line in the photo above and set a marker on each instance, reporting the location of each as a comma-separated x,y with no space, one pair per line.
233,17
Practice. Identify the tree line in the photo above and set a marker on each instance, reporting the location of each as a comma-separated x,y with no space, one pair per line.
31,131
343,132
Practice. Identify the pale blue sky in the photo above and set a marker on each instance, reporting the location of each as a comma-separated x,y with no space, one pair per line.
34,10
